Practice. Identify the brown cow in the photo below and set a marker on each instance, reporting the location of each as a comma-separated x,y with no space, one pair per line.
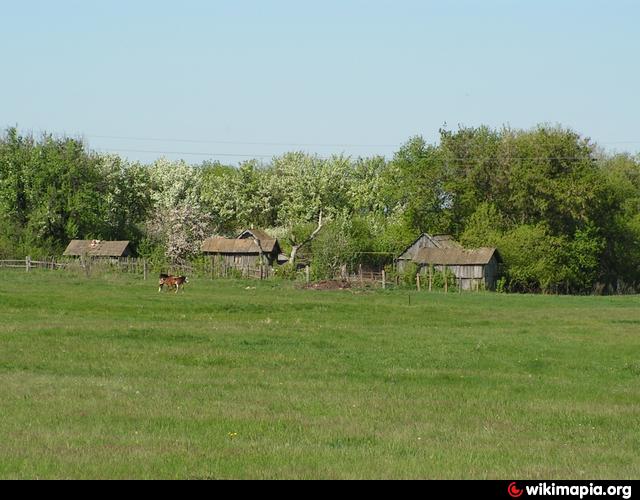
174,281
161,280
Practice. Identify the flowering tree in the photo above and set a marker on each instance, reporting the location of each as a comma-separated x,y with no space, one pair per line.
180,229
177,220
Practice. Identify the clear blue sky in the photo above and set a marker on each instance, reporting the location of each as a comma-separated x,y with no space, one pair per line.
364,74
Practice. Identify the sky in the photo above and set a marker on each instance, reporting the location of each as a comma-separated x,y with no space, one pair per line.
233,80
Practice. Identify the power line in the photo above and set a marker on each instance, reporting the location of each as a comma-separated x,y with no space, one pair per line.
243,155
259,143
246,143
182,153
193,153
271,155
618,142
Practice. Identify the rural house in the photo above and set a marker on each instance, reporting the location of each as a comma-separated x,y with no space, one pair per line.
474,269
425,241
99,249
244,251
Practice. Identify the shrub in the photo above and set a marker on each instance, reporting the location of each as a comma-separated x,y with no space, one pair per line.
285,272
408,276
439,280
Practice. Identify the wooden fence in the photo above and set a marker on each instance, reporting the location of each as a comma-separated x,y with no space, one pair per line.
139,266
27,264
206,268
380,279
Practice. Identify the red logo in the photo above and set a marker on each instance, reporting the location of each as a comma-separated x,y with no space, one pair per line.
514,491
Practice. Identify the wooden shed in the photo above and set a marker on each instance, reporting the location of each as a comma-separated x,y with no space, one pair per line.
245,250
425,241
475,268
99,249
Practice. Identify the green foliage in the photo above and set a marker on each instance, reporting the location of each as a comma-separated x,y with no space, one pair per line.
53,190
439,278
155,255
336,245
409,273
417,178
484,228
564,217
286,272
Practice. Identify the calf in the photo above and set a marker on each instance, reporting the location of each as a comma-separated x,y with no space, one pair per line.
174,281
161,281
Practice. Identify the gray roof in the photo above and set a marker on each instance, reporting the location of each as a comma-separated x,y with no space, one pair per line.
456,256
445,241
258,233
97,248
438,241
218,244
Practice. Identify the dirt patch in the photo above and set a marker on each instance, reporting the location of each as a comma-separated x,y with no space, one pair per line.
329,285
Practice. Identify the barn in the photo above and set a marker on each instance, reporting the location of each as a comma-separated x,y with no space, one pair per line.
425,241
474,268
244,251
98,249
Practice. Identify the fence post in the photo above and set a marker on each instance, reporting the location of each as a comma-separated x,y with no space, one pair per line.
384,280
306,273
144,269
418,281
361,277
446,281
430,277
27,263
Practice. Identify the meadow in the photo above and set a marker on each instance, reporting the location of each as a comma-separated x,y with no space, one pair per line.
107,378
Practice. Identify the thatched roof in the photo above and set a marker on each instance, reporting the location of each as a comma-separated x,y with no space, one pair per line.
456,256
97,248
218,244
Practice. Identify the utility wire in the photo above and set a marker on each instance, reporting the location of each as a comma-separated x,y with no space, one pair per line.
243,155
198,141
259,143
103,150
190,153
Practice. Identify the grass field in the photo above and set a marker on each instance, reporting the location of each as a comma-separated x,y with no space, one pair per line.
107,378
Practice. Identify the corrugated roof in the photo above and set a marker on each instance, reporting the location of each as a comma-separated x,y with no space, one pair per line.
218,244
97,248
455,256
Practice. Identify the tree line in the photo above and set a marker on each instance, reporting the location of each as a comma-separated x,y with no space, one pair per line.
564,215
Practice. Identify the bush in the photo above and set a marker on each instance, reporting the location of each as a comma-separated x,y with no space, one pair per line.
408,276
439,280
285,272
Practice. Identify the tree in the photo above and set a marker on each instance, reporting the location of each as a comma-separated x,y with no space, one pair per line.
419,186
297,244
180,230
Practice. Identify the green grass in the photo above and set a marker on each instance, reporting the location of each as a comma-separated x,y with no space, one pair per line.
107,378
